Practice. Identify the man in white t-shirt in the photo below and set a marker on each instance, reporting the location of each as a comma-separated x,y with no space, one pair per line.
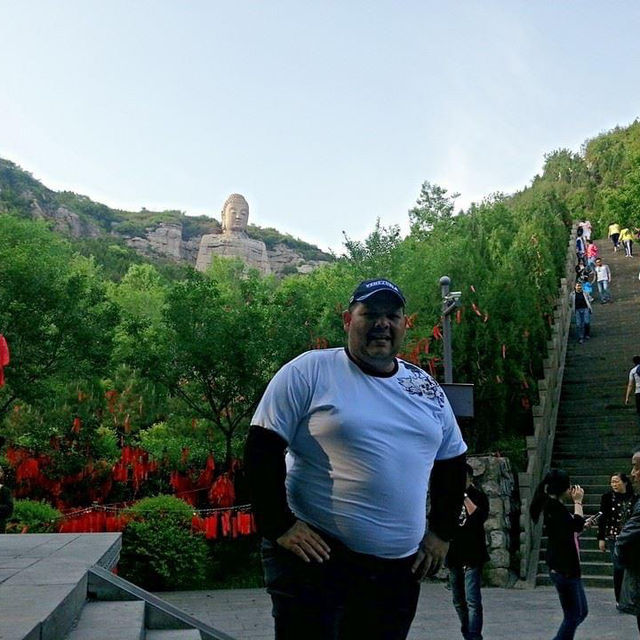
344,518
634,385
603,277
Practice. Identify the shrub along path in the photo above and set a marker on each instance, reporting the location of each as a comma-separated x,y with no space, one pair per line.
596,433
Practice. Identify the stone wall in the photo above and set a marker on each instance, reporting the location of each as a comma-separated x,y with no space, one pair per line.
545,414
493,475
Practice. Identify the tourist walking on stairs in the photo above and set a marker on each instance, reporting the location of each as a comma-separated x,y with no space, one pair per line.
634,385
626,237
614,234
603,277
582,307
616,506
562,556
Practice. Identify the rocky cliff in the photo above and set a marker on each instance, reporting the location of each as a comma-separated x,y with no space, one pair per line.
166,234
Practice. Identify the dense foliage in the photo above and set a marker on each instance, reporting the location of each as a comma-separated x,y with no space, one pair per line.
33,516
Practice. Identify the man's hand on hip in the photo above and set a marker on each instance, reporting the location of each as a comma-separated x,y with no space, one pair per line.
430,556
302,540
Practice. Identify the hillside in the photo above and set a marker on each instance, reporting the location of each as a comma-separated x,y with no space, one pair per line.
159,235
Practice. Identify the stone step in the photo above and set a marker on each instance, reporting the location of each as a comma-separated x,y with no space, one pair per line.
619,418
108,620
587,451
601,582
604,440
601,466
600,569
172,634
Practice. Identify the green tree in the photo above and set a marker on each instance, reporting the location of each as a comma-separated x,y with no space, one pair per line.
433,205
53,313
209,348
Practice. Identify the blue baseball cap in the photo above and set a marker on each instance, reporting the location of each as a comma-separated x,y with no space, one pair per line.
368,288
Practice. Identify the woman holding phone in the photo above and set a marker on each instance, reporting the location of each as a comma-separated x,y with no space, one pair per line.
563,558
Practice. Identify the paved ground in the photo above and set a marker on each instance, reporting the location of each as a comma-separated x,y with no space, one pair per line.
510,614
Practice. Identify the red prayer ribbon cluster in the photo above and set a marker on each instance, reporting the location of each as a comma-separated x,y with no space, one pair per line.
4,357
213,523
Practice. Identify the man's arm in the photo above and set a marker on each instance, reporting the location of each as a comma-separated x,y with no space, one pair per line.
266,473
630,387
446,493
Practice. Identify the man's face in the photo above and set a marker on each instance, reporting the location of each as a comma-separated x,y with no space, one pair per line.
375,330
598,262
635,470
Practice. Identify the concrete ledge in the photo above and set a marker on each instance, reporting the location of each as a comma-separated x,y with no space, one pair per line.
43,580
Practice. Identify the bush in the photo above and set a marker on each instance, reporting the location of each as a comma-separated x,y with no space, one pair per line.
168,507
32,516
159,551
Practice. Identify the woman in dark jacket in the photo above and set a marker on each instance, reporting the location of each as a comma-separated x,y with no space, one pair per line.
563,558
615,506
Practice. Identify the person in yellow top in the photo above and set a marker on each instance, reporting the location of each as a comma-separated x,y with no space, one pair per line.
614,234
626,237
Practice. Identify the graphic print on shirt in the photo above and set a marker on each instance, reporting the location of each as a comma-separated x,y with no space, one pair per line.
419,384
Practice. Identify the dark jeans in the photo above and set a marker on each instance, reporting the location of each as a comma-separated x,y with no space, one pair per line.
467,599
583,320
349,597
618,570
574,604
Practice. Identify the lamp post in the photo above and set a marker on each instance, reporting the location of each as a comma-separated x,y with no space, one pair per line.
449,304
460,395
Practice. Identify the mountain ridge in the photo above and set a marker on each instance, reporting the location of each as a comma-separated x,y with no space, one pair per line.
169,234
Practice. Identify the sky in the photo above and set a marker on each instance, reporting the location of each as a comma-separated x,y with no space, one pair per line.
325,115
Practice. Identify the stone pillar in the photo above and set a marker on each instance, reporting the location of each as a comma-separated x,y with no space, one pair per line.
493,475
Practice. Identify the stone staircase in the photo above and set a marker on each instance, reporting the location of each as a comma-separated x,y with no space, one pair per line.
61,587
596,433
116,608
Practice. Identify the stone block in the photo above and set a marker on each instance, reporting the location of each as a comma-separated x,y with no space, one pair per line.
497,540
500,558
496,506
496,576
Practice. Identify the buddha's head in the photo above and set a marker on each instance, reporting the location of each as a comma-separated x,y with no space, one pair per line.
235,214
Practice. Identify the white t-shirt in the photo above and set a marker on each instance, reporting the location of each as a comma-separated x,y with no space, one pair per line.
361,447
603,273
634,377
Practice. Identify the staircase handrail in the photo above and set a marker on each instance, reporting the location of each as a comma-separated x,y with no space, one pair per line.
545,415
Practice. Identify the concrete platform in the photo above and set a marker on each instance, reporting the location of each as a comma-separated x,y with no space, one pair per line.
43,583
509,613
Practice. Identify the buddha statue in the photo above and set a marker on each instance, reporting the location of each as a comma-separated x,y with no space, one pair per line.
234,242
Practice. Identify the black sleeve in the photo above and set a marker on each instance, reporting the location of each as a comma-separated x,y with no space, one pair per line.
604,518
446,493
266,472
481,501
